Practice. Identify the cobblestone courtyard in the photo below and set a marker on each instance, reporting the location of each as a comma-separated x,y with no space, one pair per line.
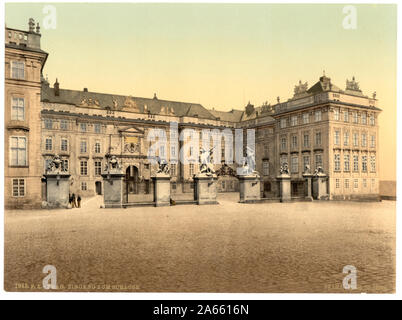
230,247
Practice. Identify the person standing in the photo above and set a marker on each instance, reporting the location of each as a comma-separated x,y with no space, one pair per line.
79,201
73,204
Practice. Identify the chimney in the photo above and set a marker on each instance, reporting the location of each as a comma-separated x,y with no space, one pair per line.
56,88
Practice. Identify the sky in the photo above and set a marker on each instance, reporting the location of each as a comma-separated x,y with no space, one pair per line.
220,55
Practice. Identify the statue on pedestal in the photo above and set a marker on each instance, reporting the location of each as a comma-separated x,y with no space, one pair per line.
284,168
163,166
56,166
206,166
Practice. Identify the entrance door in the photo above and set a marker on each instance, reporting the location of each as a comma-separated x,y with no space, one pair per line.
98,187
132,181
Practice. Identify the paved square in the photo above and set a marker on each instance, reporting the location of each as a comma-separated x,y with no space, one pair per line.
230,247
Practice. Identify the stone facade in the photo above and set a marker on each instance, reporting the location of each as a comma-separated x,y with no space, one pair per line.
322,126
24,61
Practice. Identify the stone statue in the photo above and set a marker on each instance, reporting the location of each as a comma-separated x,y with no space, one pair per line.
300,88
374,94
352,85
163,166
249,163
112,164
284,168
319,171
307,169
206,165
56,165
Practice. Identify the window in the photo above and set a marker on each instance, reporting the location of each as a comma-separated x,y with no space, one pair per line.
283,123
173,151
356,183
337,183
284,159
346,158
83,127
336,114
306,161
64,145
293,121
306,118
355,162
98,168
373,183
337,162
364,183
83,146
17,69
63,125
306,140
97,128
295,165
346,138
18,109
49,144
372,141
48,123
372,120
318,160
283,143
265,167
337,138
64,164
364,118
162,152
294,142
84,168
97,147
346,116
355,117
318,115
364,163
84,186
355,139
191,169
173,169
346,183
18,151
18,187
364,140
372,164
318,138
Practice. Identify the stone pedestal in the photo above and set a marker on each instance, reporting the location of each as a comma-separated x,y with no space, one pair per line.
58,190
250,188
113,189
205,189
320,181
161,189
284,187
309,186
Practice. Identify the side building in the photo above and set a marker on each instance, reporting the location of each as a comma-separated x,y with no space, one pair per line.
24,62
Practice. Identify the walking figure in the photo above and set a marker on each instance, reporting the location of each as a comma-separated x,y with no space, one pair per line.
73,203
79,201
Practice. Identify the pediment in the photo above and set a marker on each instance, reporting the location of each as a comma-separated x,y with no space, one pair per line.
131,130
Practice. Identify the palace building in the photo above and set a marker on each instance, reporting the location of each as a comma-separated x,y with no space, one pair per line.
320,126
